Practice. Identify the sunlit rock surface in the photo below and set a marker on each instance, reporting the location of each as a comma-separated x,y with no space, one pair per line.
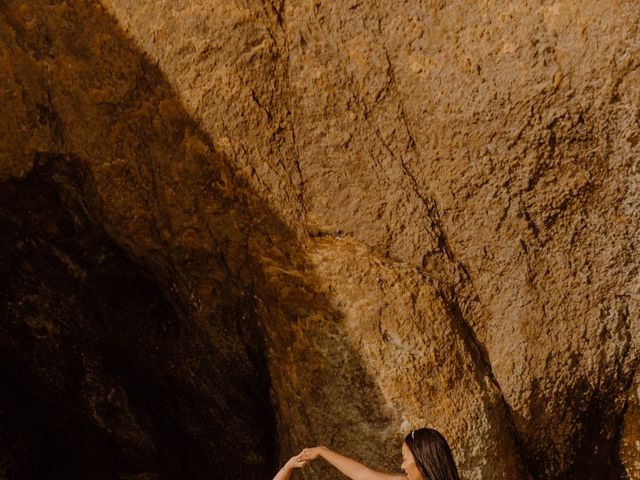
238,229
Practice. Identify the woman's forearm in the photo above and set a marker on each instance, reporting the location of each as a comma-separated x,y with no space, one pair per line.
288,468
346,465
284,473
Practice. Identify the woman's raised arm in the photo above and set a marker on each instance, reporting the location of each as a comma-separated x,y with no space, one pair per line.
288,468
348,466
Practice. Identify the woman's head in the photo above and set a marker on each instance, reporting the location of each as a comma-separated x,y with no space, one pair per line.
426,456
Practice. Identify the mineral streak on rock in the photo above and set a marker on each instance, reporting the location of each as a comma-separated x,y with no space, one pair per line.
336,221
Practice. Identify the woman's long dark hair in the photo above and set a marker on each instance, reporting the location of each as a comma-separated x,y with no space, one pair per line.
432,454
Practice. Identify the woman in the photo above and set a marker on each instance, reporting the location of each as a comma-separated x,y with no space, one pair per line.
425,456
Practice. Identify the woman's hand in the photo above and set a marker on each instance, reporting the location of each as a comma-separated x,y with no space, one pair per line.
309,454
289,467
295,462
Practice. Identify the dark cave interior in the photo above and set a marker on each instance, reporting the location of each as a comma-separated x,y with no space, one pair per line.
105,374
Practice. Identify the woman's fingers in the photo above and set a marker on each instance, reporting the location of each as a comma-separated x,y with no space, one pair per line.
304,455
295,462
309,454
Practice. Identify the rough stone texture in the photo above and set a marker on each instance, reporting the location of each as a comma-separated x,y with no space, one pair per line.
103,376
408,213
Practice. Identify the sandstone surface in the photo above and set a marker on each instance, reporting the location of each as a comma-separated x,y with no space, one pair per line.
240,228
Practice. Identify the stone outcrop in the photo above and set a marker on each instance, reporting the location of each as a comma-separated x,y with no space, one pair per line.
238,229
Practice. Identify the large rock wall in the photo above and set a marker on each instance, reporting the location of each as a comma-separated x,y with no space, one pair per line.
416,212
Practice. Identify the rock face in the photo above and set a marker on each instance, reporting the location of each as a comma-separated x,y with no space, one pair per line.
236,230
119,378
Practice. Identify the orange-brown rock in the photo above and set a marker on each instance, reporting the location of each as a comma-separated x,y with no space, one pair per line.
363,217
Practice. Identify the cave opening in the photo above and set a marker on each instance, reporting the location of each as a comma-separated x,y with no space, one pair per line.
105,374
